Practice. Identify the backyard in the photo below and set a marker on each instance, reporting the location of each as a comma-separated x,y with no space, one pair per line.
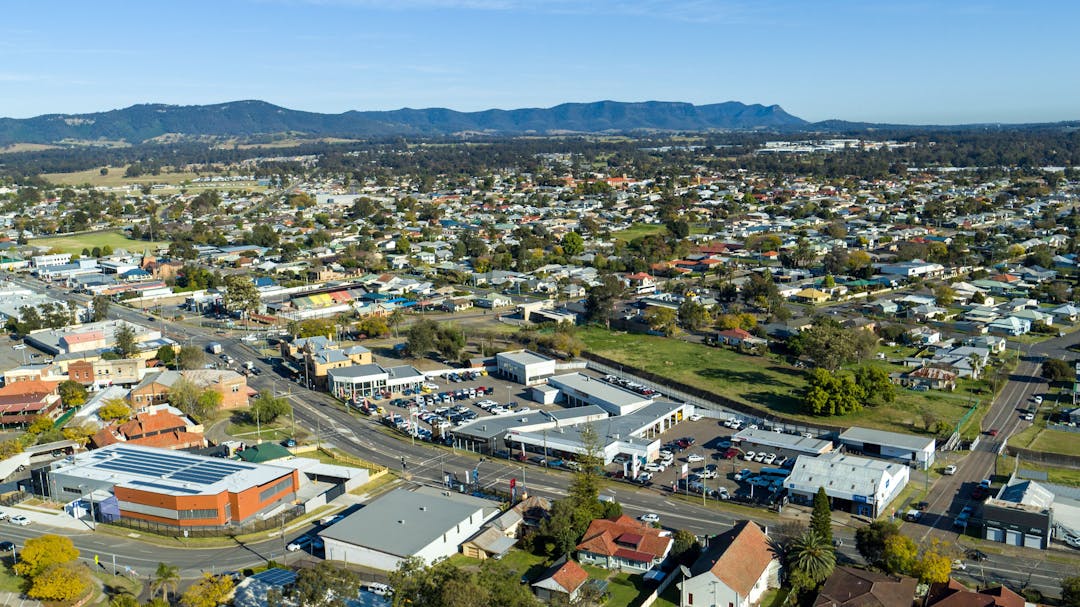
116,239
770,384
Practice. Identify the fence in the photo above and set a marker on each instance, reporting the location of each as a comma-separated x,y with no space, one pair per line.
1063,428
1039,457
655,594
375,470
272,523
15,497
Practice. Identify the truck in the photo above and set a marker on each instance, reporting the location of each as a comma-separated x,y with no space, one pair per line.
214,347
249,365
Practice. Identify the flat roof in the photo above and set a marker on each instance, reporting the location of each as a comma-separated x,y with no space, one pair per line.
892,439
403,522
495,426
167,471
791,442
598,389
355,371
524,357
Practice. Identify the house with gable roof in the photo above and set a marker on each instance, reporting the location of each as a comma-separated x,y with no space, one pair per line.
736,569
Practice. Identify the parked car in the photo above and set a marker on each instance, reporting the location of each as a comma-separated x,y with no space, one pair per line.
949,470
694,458
770,458
743,474
749,456
695,417
7,546
650,517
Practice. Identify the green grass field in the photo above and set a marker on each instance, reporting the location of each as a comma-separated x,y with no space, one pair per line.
766,382
638,230
114,238
1061,476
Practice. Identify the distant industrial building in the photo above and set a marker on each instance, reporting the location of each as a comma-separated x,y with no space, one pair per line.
524,366
854,484
916,451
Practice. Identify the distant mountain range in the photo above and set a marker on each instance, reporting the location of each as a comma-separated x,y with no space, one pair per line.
247,120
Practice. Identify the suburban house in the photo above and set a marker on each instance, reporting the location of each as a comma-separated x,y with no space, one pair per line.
161,427
563,580
736,569
23,401
623,543
811,295
1011,326
738,337
926,378
850,587
955,594
641,283
154,388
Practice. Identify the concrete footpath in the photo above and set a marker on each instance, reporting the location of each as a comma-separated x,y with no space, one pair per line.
48,517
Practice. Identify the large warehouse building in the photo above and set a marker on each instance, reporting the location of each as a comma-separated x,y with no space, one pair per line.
173,487
916,451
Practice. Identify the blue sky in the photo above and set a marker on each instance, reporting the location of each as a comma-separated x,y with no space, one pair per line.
936,61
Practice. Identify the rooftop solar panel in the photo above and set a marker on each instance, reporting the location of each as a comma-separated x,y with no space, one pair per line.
165,487
276,577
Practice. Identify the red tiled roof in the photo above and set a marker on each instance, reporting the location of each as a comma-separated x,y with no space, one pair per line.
146,423
76,338
739,333
29,387
634,555
600,537
746,558
570,576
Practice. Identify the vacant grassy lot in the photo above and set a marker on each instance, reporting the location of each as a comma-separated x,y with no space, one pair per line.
114,238
766,382
1061,476
638,230
115,178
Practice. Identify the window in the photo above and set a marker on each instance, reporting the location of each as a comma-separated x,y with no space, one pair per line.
274,489
197,513
690,598
236,388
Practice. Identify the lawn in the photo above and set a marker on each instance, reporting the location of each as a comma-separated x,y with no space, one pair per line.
9,582
638,230
115,178
1060,476
767,383
1056,441
114,238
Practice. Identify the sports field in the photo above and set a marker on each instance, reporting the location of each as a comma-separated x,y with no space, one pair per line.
114,238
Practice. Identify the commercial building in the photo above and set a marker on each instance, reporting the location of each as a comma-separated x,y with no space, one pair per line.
427,523
787,445
365,381
1022,514
579,390
524,366
172,487
917,451
490,434
854,484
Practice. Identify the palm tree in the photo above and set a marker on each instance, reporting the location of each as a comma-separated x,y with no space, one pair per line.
811,559
166,577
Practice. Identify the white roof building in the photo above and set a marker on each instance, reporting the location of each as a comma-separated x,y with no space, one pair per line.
855,484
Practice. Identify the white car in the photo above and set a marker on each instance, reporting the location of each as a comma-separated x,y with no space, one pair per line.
958,564
949,470
760,457
770,458
1038,400
694,458
380,589
651,517
749,456
654,467
20,520
1029,417
694,418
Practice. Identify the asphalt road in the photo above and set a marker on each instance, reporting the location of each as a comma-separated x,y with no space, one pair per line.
426,463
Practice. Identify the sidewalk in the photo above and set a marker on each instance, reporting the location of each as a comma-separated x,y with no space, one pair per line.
48,517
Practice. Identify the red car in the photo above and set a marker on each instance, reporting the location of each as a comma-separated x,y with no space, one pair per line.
992,432
731,453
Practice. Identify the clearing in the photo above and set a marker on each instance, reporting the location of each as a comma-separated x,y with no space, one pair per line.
116,239
771,385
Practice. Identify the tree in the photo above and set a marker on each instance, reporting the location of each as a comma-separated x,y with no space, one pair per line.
1070,591
831,394
126,346
166,578
190,357
662,320
72,393
870,540
420,338
241,295
694,315
99,307
325,585
811,561
197,402
600,303
445,584
944,295
584,489
59,582
166,355
114,409
899,554
573,244
1055,369
830,345
41,552
267,407
374,326
933,567
821,516
41,423
875,384
563,527
685,546
210,591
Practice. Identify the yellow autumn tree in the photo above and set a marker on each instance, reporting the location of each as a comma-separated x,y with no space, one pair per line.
59,582
39,553
934,566
210,591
